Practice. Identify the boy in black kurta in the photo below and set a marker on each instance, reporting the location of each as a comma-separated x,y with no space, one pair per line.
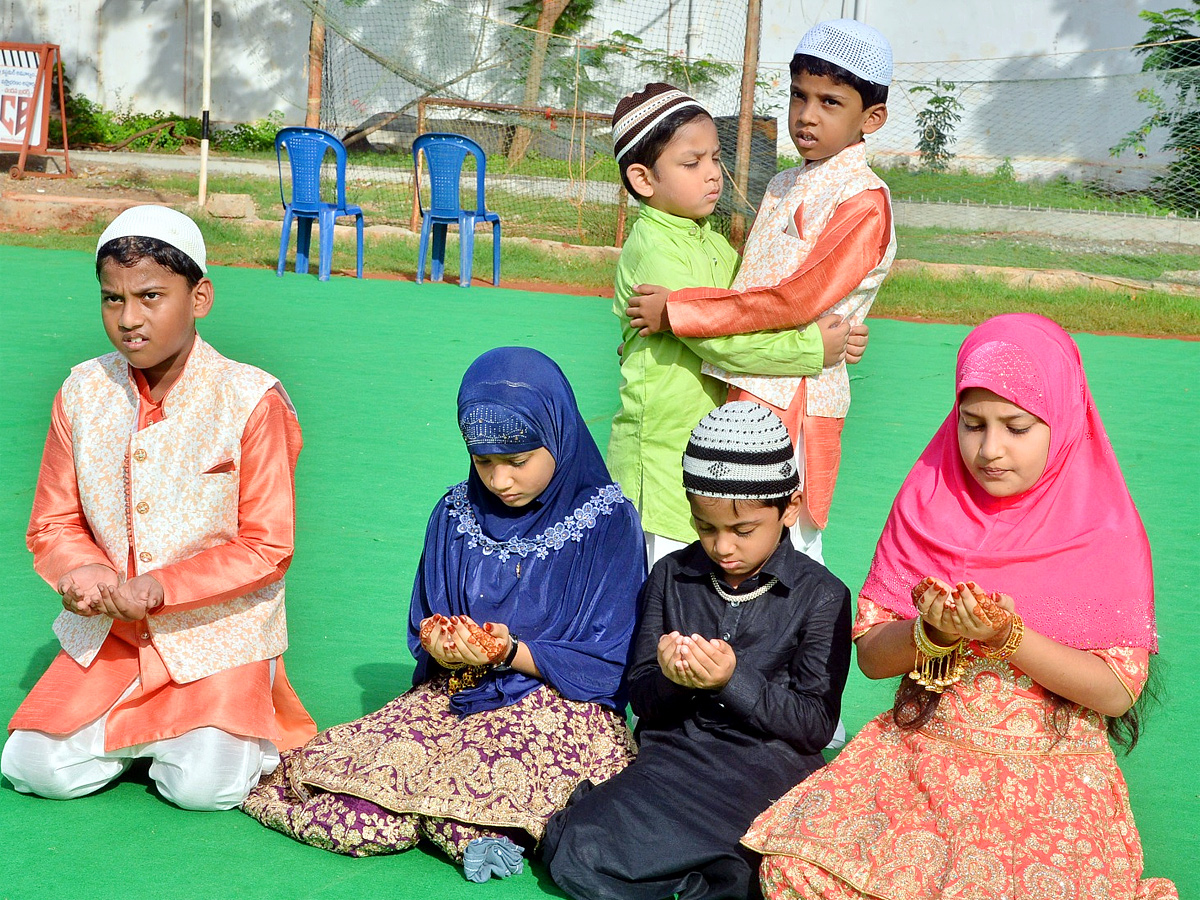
737,675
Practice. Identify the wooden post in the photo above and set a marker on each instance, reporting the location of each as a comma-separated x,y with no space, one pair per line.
741,175
622,214
414,218
316,66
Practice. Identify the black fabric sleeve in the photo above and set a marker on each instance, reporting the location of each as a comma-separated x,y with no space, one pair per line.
655,699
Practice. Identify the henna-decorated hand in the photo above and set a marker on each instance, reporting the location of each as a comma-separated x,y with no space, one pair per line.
427,628
935,602
474,645
981,616
435,638
989,609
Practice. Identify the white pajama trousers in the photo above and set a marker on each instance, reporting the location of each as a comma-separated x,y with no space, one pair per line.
202,769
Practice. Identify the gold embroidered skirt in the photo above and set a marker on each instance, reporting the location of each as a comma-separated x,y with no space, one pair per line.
376,784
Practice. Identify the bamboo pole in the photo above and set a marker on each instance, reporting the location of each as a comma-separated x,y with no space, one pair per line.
741,176
206,97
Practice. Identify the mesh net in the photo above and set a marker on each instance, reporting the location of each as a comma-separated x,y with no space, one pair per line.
476,70
1046,146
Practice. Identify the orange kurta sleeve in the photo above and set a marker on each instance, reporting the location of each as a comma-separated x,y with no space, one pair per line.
851,245
58,535
262,550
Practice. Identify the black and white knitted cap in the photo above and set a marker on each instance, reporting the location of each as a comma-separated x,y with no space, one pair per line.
740,451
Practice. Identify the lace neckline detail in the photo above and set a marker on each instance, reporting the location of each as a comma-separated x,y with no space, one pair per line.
602,503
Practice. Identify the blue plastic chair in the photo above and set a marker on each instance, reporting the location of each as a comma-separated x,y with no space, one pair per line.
306,149
445,154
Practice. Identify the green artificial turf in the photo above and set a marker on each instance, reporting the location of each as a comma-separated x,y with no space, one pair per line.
373,368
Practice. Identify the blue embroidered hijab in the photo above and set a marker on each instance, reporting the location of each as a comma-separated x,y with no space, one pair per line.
563,572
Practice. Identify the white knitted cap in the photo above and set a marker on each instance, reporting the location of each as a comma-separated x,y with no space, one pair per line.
853,45
167,225
740,451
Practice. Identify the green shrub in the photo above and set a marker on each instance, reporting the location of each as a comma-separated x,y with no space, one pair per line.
255,136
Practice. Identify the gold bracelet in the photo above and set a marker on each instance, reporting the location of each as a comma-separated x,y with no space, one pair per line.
937,666
1016,631
926,646
465,677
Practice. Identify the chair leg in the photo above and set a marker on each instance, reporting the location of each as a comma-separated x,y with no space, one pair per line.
496,254
466,249
359,223
303,243
284,236
438,263
423,248
325,245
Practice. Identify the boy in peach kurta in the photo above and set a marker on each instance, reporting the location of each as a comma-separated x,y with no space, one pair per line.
822,243
164,517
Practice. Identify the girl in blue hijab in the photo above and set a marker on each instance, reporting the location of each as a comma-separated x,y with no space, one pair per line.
521,618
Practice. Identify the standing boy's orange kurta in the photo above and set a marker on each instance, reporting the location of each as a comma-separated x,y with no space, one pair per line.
241,700
852,243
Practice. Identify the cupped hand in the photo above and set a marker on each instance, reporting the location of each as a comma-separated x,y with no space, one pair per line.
935,602
705,664
473,644
979,615
80,589
133,600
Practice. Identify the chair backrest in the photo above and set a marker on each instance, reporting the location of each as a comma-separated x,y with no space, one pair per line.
306,149
445,152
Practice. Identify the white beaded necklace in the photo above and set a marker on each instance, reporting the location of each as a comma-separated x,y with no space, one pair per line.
738,599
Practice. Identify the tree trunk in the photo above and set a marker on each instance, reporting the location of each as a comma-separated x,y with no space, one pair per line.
316,66
547,18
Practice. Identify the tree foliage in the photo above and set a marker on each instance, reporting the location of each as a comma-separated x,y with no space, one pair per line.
936,123
1171,47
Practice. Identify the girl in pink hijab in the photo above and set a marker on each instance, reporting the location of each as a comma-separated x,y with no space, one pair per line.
1012,590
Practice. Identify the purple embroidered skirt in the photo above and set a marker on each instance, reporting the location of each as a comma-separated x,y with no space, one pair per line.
414,768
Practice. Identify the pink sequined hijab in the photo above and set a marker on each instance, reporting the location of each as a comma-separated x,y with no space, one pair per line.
1071,550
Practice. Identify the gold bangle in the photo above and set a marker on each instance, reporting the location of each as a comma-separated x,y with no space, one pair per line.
937,666
926,646
1016,631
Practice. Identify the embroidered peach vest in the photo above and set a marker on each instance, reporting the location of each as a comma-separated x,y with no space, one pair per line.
147,487
774,252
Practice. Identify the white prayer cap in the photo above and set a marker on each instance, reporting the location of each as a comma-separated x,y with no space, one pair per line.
165,224
856,47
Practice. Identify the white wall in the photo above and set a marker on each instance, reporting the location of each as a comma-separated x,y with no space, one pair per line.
1037,85
146,54
924,30
1046,114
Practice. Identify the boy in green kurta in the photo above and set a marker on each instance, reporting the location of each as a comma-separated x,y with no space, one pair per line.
668,151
